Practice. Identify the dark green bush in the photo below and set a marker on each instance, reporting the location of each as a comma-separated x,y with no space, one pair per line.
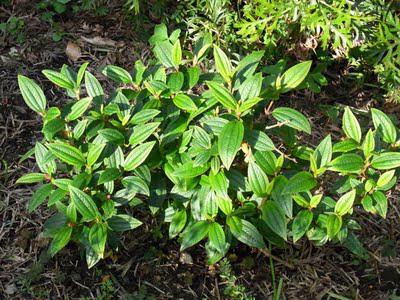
199,148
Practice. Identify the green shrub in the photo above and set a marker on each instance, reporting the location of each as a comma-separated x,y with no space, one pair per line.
364,33
199,149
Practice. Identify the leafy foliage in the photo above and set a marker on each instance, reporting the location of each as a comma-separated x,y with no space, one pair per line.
188,144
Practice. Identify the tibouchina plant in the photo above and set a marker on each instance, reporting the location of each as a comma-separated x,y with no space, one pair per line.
203,150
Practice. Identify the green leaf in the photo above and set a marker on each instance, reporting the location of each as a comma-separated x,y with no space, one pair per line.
178,222
347,163
251,87
177,53
300,182
67,153
257,179
188,170
184,102
201,138
78,109
386,161
219,183
245,232
369,143
381,203
98,238
225,205
222,95
94,153
384,179
59,79
323,152
384,125
345,203
275,218
216,235
351,127
260,141
112,135
138,155
84,204
31,178
60,240
229,142
136,184
117,74
195,234
267,161
163,52
93,88
333,225
301,223
223,64
81,73
32,94
142,132
292,118
109,174
143,116
39,197
294,76
120,223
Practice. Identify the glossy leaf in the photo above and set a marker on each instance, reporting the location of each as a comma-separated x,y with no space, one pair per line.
137,156
351,127
32,94
292,118
274,217
67,153
84,204
229,142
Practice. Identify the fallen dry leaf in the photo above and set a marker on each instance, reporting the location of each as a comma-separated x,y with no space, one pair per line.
73,51
104,42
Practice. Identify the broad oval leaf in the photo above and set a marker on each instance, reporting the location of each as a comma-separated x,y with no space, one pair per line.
195,234
275,218
292,118
138,155
39,196
345,203
78,109
229,142
178,222
59,79
184,102
386,161
32,94
257,179
347,163
222,64
120,223
222,95
216,235
351,127
98,238
67,153
300,182
84,204
295,75
117,74
31,178
384,125
301,223
245,232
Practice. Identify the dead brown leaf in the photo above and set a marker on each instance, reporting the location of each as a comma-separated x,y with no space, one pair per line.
73,51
